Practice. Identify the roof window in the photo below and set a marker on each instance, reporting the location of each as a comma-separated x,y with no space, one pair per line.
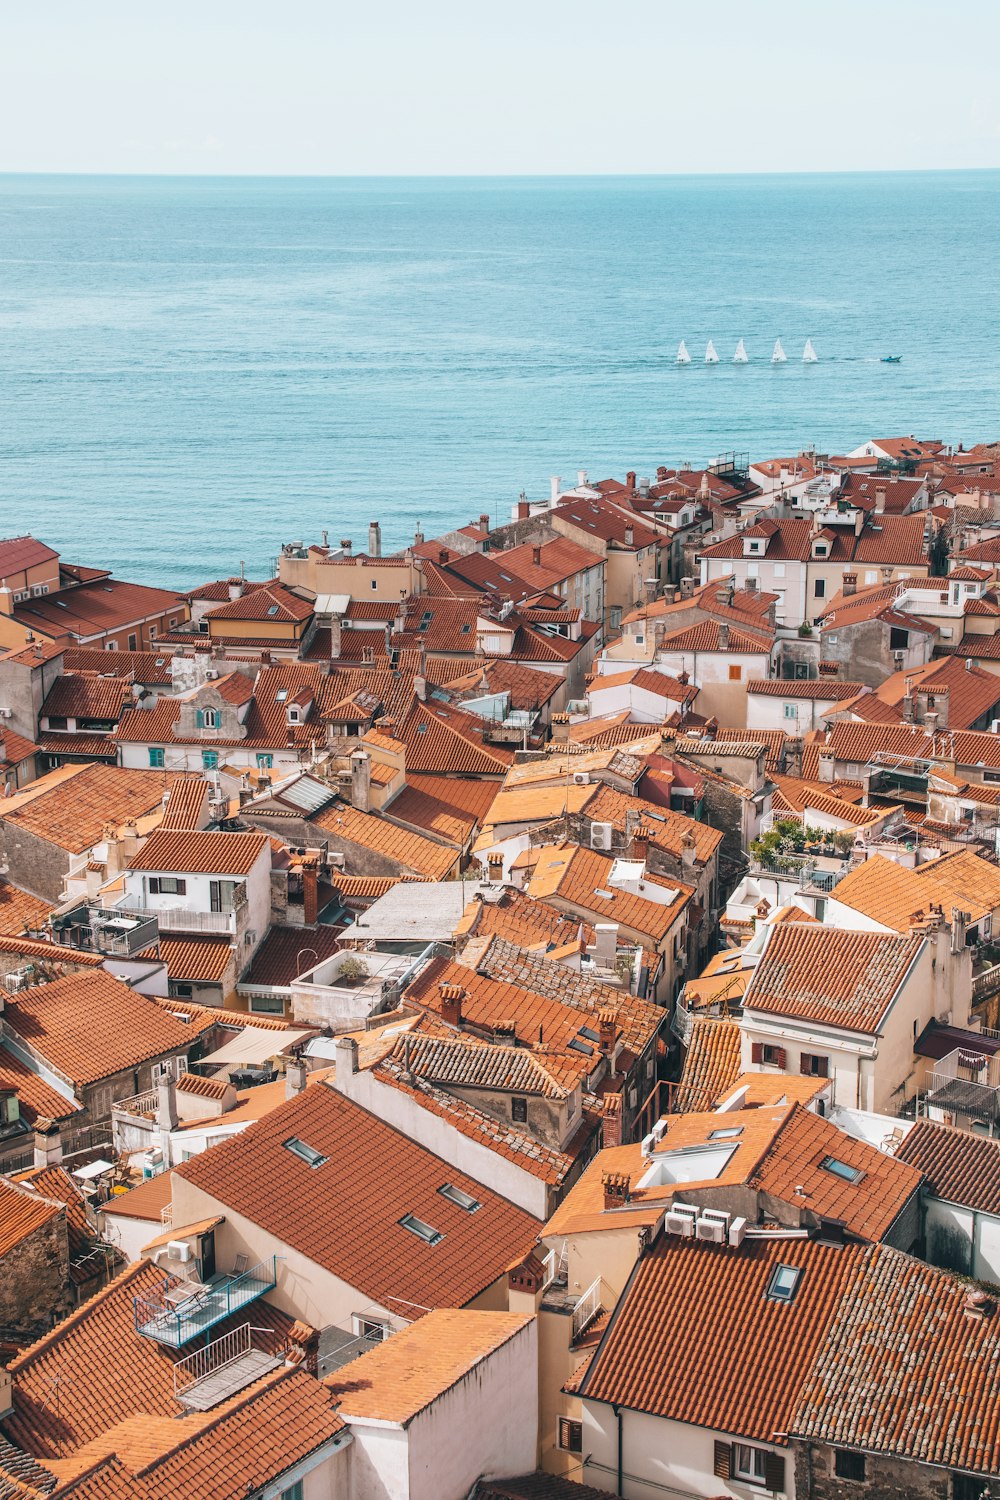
272,609
841,1169
420,1229
727,1134
304,1152
783,1283
459,1198
281,695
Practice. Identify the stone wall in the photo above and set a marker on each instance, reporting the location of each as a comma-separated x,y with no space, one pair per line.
885,1478
35,1290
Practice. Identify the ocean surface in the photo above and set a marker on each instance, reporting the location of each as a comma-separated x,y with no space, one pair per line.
193,370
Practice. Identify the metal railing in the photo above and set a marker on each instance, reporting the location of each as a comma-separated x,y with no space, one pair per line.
175,1322
215,1356
138,1104
587,1308
962,1096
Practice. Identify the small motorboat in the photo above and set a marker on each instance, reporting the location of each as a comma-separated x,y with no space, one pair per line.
891,359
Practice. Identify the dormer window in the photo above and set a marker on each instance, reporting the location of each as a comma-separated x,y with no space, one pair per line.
206,718
293,714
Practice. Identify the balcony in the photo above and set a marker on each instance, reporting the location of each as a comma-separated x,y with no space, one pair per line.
985,983
121,935
225,1366
185,1309
964,1090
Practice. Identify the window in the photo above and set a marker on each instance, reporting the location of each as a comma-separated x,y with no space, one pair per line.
206,718
304,1152
848,1465
167,885
735,673
132,642
819,588
727,1134
570,1435
264,762
752,1465
871,576
272,610
209,759
519,1110
898,639
372,1329
459,1198
821,551
748,1463
182,991
791,711
779,570
267,1005
814,1066
281,695
841,1169
423,1231
294,1491
156,757
374,583
768,1054
111,645
56,721
784,1280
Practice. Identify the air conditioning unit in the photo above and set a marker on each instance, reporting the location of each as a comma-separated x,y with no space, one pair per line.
211,673
6,713
659,1131
648,1143
898,658
581,778
19,979
711,1229
737,1231
179,1250
601,834
681,1219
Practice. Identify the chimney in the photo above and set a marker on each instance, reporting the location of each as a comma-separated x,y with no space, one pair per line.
907,708
523,510
361,780
295,1077
418,537
443,556
581,477
346,1061
6,601
849,584
616,1189
724,636
130,841
560,728
689,853
629,536
374,539
606,942
484,522
47,1144
630,481
452,996
420,676
959,923
607,1024
235,588
687,588
555,485
345,545
166,1103
536,557
827,765
612,1119
879,499
640,843
494,866
310,890
527,1276
336,629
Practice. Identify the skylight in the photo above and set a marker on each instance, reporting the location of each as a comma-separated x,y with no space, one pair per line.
281,695
783,1282
459,1198
304,1152
272,609
420,1229
727,1134
841,1169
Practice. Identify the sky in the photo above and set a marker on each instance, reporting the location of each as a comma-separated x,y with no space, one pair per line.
522,87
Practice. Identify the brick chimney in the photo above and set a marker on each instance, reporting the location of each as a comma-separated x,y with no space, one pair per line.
345,545
607,1023
310,892
484,523
560,728
630,480
640,843
617,1187
629,536
527,1276
536,556
612,1119
452,996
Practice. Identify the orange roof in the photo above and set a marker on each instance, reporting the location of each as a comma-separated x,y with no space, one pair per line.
958,1166
93,607
399,1378
332,1215
37,1098
971,692
123,1028
206,853
186,805
146,1201
20,909
687,1301
581,877
81,695
412,851
834,978
22,1213
658,683
205,1088
711,1063
441,738
271,601
72,806
896,897
668,830
711,635
105,1371
430,806
203,959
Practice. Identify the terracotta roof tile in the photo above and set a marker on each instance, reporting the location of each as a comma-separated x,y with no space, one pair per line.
411,851
832,977
582,877
152,668
20,909
22,1213
708,636
711,1064
36,1097
124,1029
204,959
822,688
73,805
204,853
959,1167
272,601
186,804
93,608
371,1179
397,1379
83,696
287,952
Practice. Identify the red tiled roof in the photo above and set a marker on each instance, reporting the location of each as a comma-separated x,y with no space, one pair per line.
123,1028
895,541
708,636
440,738
14,748
203,959
829,976
689,1300
79,695
18,553
959,1167
91,609
272,601
371,1179
287,952
72,806
186,804
38,1099
93,746
607,523
410,851
149,667
205,853
20,909
22,1213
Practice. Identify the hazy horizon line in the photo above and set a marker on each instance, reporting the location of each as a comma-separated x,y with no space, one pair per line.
7,172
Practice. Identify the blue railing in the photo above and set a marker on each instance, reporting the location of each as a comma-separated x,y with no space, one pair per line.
174,1319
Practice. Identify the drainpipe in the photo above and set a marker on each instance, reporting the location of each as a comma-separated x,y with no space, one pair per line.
621,1458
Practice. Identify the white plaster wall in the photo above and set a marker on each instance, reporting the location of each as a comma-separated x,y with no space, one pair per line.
660,1458
436,1134
765,711
129,1234
380,1463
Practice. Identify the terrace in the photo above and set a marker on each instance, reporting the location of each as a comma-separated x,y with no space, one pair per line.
186,1308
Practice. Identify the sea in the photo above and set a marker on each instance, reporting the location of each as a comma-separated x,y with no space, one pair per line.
195,370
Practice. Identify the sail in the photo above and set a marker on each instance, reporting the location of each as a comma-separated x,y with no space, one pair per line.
683,357
779,356
741,357
711,358
809,354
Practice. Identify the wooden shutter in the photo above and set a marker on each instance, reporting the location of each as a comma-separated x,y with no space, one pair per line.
774,1472
805,1063
757,1056
822,1067
723,1466
182,886
781,1056
154,885
570,1435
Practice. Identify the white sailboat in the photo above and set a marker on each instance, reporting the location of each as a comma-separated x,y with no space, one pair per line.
683,357
741,357
809,355
779,356
711,358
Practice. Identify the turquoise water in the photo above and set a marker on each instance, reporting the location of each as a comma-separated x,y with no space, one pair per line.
193,370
